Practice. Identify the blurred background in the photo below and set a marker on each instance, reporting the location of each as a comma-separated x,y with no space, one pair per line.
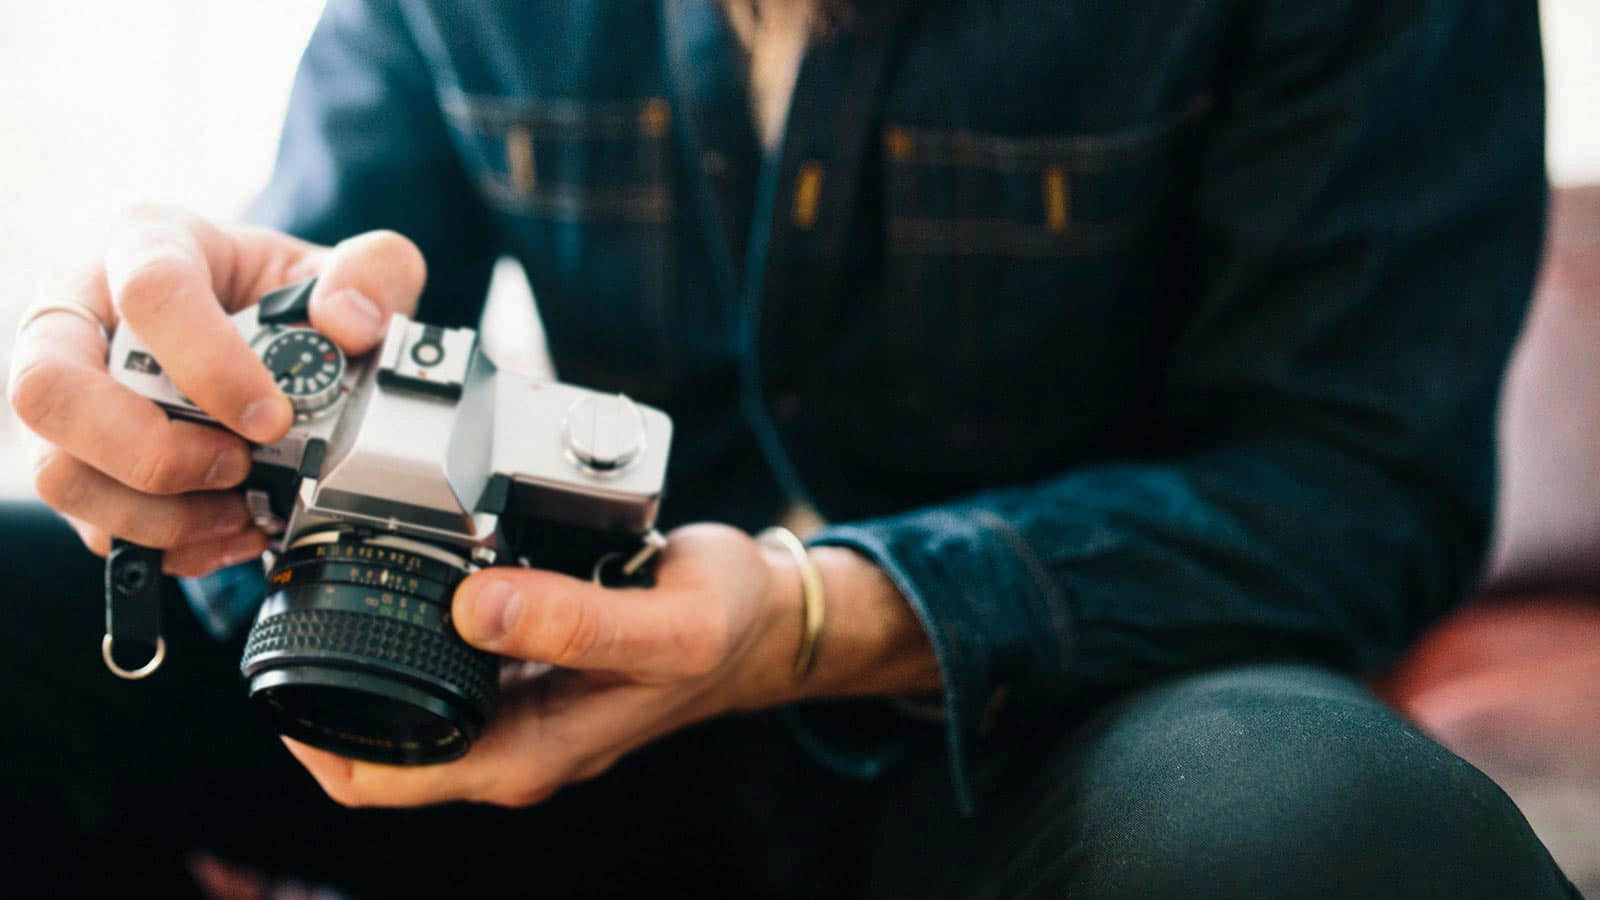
105,103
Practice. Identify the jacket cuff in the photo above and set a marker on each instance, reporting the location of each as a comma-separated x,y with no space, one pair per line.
993,614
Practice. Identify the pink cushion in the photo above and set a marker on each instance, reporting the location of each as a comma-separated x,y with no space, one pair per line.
1520,668
1515,680
1548,529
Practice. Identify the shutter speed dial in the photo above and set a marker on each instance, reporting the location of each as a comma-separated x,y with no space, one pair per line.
603,434
306,366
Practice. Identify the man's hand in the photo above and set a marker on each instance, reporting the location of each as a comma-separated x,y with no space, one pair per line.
718,633
110,460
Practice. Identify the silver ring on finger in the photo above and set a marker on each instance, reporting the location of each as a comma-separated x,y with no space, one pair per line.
46,307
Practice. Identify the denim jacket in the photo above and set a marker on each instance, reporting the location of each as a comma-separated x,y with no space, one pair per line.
1127,338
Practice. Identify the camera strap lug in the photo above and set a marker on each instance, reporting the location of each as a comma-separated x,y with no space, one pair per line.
654,542
133,607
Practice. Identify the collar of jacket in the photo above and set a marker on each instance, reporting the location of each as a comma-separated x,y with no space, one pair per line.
789,248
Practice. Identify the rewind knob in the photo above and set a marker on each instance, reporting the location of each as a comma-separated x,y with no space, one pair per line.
603,433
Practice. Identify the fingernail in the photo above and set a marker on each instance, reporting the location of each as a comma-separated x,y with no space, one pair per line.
232,519
356,312
261,419
495,608
228,469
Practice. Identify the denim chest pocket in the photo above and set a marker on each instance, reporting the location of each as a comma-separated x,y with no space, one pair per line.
583,194
1021,280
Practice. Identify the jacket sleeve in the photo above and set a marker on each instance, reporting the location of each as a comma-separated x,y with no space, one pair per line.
365,146
1368,219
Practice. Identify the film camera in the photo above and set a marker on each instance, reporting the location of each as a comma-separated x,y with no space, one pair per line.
406,470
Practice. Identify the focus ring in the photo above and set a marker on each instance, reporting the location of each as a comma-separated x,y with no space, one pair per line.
315,633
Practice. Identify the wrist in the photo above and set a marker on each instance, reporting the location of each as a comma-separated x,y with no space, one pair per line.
872,643
771,679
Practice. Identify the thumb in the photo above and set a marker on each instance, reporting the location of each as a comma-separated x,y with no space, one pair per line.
548,617
365,280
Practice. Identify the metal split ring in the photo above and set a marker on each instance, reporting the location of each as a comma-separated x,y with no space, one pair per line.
143,671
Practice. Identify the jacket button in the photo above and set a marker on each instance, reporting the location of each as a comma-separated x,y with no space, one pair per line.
898,142
807,194
655,117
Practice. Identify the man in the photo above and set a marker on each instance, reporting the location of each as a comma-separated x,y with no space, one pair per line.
1141,359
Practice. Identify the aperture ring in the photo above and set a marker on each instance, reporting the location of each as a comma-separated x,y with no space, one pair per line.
353,552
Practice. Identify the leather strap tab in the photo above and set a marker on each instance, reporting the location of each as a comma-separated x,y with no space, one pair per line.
133,646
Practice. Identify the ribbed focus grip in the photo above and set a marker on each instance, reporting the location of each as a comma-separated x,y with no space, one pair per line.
307,635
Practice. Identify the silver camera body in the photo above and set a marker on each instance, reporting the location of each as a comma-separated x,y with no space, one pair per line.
425,439
405,471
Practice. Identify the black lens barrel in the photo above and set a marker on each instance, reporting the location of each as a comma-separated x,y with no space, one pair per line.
354,652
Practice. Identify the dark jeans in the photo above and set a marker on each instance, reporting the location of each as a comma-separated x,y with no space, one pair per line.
1271,780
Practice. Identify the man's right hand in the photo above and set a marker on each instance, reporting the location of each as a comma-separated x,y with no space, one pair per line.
111,461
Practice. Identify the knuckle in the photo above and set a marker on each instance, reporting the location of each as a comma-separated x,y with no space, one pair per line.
155,470
165,531
581,638
36,392
148,289
397,252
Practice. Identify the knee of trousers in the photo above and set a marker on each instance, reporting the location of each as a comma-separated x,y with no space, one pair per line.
1282,781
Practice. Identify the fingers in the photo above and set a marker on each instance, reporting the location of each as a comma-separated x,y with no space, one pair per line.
635,664
350,782
364,281
162,285
61,392
248,261
548,617
78,490
203,558
96,540
533,749
188,560
85,285
116,463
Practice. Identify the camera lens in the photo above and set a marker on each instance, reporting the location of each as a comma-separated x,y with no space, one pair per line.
353,650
